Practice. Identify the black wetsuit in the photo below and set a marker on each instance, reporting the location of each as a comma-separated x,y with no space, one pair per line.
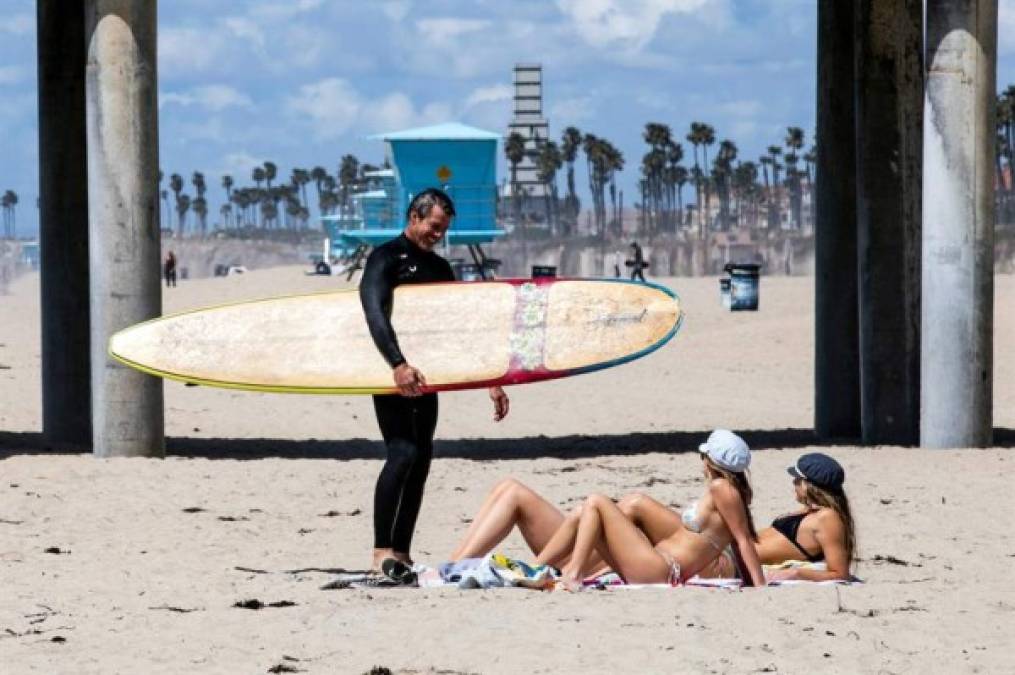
407,424
639,264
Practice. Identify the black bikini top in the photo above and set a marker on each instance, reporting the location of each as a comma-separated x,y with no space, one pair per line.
788,526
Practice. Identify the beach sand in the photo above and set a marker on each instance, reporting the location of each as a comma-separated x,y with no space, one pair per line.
134,565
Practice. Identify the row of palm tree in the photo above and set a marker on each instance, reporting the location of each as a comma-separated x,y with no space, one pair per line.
603,161
9,201
737,193
267,203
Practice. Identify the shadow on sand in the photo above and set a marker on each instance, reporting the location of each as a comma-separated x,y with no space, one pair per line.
562,447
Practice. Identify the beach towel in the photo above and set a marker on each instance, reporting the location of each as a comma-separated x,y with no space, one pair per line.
495,570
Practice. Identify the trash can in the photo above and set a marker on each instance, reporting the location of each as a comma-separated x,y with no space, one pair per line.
744,286
724,292
544,271
469,272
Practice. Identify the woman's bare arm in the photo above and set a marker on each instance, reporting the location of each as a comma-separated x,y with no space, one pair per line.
733,512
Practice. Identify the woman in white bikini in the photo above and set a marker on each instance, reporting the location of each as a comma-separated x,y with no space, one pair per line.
600,533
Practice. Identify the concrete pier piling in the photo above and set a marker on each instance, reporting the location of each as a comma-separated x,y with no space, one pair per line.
836,337
958,235
889,136
123,224
63,225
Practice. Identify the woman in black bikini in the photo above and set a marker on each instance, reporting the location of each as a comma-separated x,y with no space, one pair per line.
821,531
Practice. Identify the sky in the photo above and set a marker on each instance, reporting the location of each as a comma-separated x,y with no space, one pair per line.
303,82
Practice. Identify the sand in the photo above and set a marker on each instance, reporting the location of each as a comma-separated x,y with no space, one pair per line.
134,565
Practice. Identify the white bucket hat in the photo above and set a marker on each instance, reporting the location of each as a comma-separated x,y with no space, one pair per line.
727,450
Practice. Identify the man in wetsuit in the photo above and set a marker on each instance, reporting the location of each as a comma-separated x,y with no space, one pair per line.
638,264
407,419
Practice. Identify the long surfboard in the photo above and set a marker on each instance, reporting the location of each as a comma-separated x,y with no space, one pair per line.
461,335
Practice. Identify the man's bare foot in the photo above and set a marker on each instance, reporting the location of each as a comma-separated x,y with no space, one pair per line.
379,555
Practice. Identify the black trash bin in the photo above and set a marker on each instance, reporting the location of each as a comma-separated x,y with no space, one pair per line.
544,271
744,286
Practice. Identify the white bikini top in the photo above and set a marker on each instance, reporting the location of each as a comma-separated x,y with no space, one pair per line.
690,518
694,524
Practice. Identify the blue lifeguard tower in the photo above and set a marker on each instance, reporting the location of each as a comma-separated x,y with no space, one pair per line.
460,159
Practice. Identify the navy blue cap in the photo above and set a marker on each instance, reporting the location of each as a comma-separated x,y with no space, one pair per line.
819,469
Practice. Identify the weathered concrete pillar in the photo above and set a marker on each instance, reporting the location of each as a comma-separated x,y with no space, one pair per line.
63,225
121,95
958,229
836,331
889,128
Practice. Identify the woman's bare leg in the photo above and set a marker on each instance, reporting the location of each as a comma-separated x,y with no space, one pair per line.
655,519
557,549
622,545
509,504
491,498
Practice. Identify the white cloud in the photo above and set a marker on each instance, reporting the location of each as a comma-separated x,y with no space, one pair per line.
447,28
396,10
627,24
331,105
569,111
741,108
214,97
282,10
18,24
245,29
492,94
238,165
11,74
183,51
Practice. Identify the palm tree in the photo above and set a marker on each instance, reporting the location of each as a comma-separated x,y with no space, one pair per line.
12,209
5,203
514,150
300,178
176,185
659,138
270,172
570,141
680,176
200,206
182,205
164,194
674,155
794,142
227,184
707,139
694,137
348,171
257,175
723,176
548,162
197,179
653,164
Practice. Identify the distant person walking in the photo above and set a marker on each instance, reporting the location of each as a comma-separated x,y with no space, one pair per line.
169,269
407,419
638,263
616,264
